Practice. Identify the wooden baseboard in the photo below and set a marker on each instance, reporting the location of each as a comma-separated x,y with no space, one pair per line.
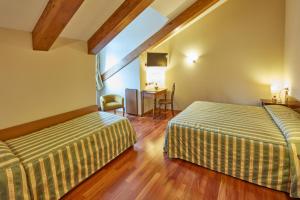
24,129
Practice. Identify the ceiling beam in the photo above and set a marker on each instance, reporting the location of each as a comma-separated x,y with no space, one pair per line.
197,8
125,14
51,23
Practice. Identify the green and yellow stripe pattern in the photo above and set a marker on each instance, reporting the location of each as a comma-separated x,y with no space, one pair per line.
58,158
240,141
289,123
13,182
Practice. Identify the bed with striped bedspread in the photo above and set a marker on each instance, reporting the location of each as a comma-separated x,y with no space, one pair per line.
58,158
240,141
13,182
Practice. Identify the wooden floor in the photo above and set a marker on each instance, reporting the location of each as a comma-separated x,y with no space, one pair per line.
144,172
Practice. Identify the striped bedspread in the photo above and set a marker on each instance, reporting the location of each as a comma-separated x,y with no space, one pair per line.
240,141
13,182
58,158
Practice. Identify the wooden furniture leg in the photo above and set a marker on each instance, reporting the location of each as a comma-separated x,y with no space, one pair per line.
123,111
142,104
154,106
165,104
159,109
152,94
172,108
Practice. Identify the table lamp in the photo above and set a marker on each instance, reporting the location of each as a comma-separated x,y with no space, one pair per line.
286,94
275,90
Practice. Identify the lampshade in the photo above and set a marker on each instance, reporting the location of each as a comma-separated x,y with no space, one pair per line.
275,88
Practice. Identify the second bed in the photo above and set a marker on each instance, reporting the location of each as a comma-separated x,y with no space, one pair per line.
255,144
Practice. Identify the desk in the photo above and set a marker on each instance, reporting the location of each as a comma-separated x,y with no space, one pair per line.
152,93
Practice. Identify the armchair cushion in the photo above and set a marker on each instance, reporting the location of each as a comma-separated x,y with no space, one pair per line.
111,102
112,106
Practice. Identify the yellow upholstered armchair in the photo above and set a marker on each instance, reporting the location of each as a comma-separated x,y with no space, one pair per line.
112,102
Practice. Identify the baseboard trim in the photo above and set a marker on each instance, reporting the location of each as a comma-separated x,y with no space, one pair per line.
27,128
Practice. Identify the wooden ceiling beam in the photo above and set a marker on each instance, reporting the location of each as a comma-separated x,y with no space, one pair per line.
123,16
51,23
182,19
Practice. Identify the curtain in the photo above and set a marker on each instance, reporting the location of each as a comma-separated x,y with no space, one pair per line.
99,83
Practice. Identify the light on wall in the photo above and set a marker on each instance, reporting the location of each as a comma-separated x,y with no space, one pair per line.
192,57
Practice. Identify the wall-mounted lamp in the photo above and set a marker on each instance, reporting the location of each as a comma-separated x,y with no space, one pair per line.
192,57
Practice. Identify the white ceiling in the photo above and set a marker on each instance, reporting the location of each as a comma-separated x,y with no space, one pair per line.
23,14
172,8
90,16
20,14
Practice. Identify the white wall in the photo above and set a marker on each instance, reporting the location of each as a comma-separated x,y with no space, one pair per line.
292,46
37,84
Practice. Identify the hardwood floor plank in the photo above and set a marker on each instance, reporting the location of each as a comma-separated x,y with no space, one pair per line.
145,172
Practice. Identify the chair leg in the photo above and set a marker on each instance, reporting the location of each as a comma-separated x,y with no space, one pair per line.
172,109
159,109
123,111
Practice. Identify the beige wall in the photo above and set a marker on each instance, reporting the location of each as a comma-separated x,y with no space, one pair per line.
240,45
35,84
292,46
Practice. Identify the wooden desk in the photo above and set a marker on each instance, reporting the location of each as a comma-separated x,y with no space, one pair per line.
152,94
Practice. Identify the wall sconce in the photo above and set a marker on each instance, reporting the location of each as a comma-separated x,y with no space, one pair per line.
192,57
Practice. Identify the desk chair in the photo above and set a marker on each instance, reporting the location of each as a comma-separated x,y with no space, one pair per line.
166,102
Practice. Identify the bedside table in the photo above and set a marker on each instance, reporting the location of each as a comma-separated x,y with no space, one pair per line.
265,102
291,104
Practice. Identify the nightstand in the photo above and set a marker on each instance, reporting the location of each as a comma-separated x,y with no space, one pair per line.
265,102
291,104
